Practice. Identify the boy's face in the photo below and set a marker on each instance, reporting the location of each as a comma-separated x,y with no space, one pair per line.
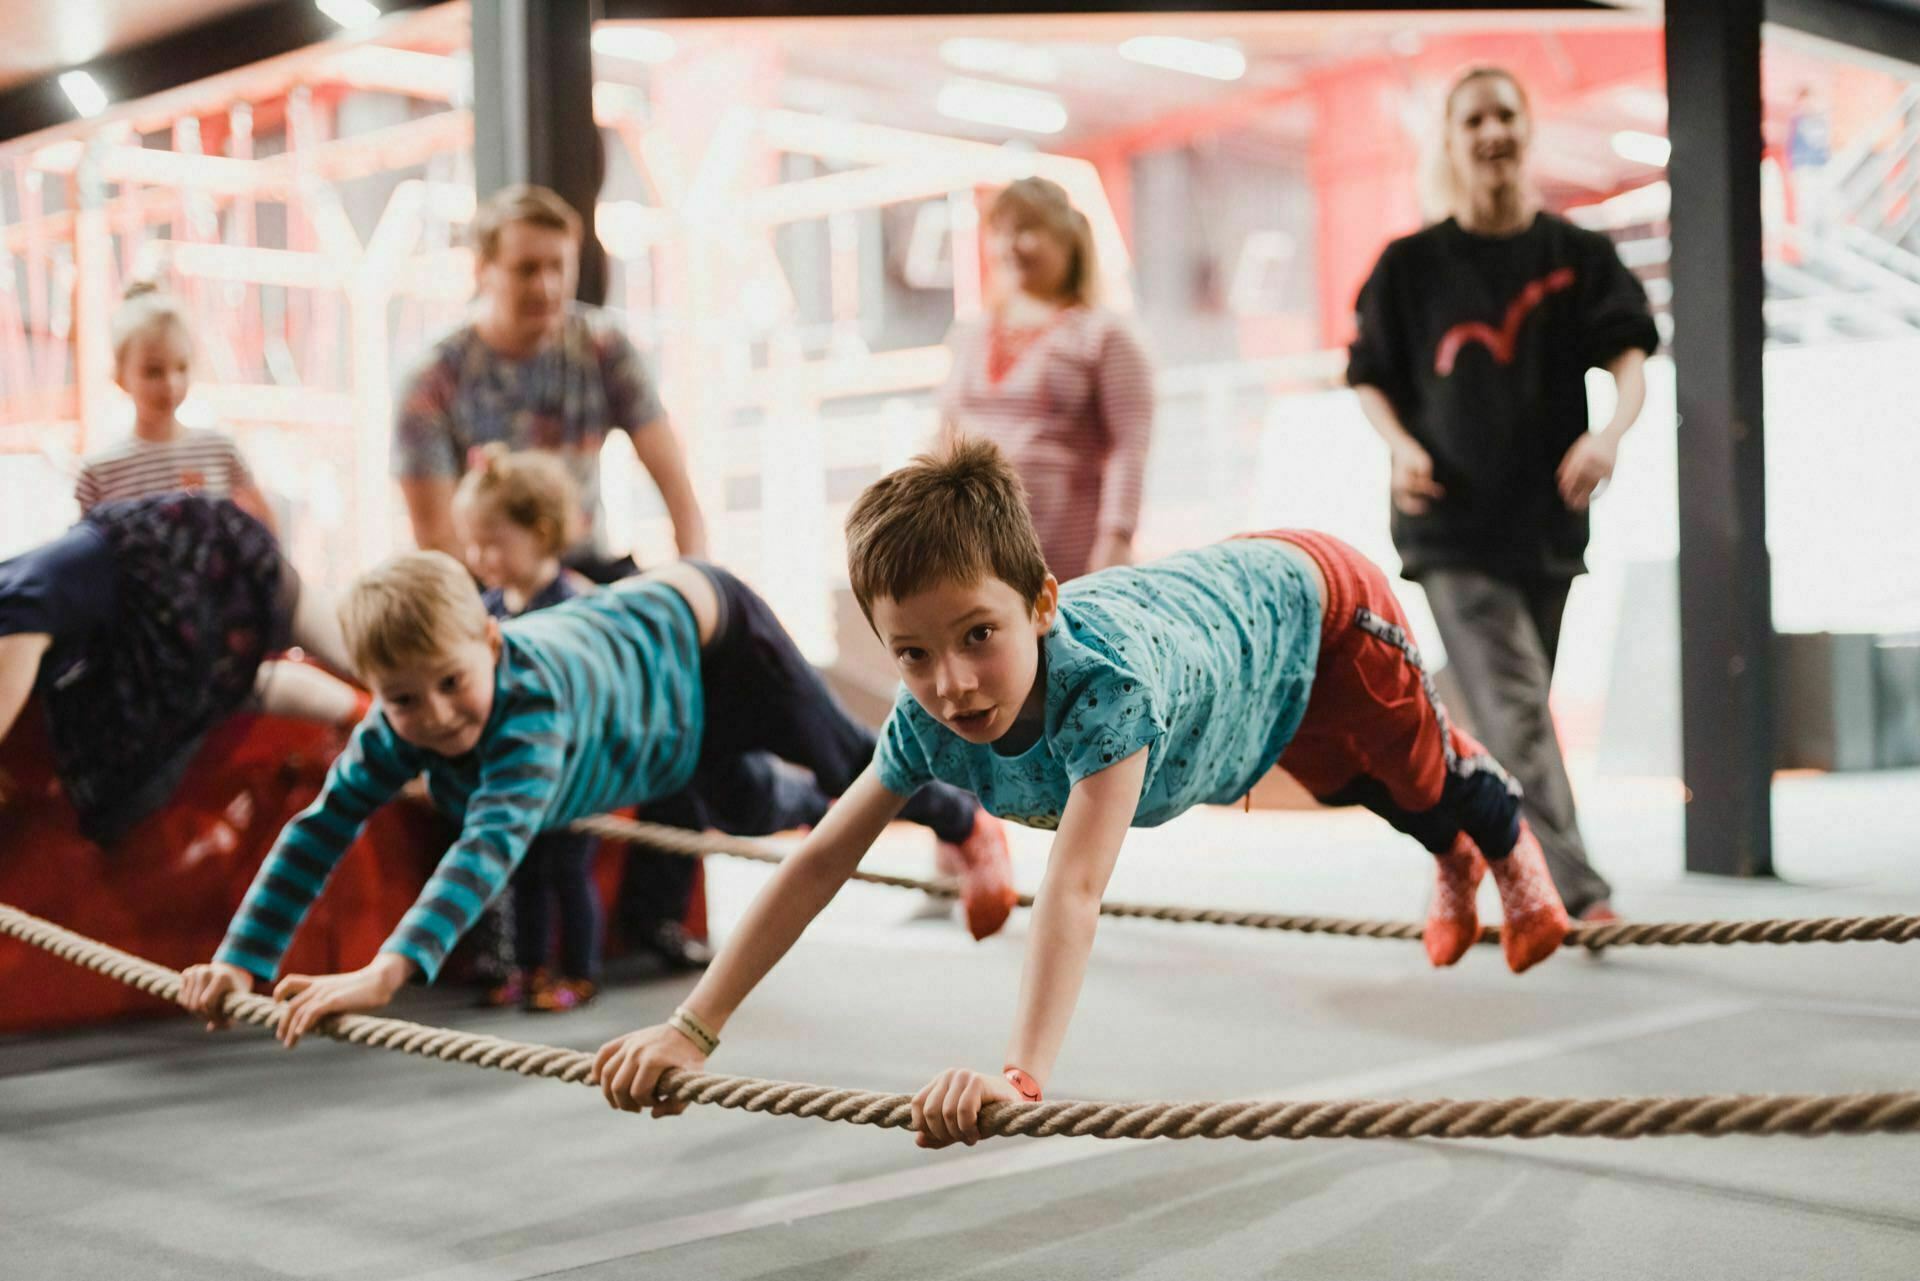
968,654
442,703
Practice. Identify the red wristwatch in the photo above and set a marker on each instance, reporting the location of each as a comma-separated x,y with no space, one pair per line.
1028,1087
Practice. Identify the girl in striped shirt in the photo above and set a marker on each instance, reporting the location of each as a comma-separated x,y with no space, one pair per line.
153,363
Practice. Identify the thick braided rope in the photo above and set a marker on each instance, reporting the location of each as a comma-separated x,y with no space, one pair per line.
1709,1116
1823,929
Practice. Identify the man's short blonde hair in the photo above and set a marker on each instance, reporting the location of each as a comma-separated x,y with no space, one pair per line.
524,202
414,609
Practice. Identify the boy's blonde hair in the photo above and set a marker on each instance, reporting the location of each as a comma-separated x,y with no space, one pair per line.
413,609
144,308
531,489
1046,204
956,515
523,202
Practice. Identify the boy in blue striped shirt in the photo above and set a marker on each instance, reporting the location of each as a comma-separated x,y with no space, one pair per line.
619,698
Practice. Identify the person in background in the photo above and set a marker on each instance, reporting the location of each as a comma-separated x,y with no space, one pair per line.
514,512
535,369
1057,381
153,363
1475,337
144,626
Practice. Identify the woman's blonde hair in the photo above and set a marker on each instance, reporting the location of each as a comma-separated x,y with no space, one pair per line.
530,489
1045,203
144,308
1440,193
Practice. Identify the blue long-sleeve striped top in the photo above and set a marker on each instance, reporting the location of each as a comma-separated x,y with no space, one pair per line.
597,704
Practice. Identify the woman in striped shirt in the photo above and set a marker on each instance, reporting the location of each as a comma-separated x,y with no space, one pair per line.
153,362
1059,383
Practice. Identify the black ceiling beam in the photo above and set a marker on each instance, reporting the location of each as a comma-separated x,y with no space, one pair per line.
222,44
1893,30
641,10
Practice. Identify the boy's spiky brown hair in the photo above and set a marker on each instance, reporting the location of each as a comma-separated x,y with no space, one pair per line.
956,515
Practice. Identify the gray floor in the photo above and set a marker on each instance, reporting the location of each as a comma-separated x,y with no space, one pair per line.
156,1151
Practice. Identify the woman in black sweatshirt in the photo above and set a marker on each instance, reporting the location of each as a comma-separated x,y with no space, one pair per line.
1475,335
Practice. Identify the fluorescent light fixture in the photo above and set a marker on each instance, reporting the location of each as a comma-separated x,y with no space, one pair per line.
984,103
1642,148
1007,58
635,44
84,92
1214,59
349,13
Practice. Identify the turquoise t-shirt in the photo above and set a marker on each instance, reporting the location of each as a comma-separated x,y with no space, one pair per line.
1206,658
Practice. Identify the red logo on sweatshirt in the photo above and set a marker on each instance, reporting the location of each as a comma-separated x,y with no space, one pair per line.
1500,341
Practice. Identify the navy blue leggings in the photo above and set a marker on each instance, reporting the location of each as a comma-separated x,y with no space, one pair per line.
558,872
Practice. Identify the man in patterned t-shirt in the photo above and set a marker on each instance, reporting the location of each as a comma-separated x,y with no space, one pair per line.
539,371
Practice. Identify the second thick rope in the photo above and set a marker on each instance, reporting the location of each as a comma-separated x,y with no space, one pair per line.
1820,929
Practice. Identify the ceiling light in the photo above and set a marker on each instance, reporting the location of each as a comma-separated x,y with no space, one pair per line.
349,13
635,44
1642,148
1214,59
84,92
1007,58
983,103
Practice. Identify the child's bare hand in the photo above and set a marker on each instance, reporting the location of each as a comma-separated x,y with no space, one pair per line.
948,1110
204,990
627,1069
311,998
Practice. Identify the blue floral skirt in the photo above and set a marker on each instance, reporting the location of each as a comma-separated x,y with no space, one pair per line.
204,595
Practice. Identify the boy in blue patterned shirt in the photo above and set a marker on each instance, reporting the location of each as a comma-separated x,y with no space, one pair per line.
618,698
1122,700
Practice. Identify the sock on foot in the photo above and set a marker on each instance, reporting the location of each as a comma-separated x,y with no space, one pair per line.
1453,922
1534,920
987,894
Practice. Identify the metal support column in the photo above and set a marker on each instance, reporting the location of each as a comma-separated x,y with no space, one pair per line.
1726,597
533,110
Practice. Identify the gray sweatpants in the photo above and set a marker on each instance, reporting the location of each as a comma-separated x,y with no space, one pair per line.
1500,637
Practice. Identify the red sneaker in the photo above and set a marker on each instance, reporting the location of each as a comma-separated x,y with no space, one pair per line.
986,874
1453,922
1535,921
510,991
557,996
